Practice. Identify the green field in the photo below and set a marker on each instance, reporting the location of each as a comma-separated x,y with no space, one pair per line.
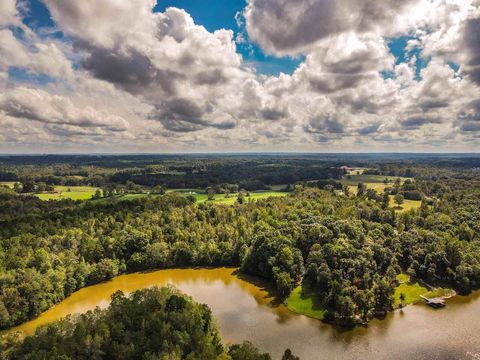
232,198
279,187
372,179
69,192
7,183
406,206
378,187
301,302
375,182
203,198
412,291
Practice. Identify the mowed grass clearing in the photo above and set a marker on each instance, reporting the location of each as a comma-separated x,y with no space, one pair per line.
406,205
302,302
232,198
413,290
8,184
371,179
378,187
69,192
375,182
203,198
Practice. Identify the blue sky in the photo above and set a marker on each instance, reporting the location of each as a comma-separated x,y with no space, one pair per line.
212,14
221,14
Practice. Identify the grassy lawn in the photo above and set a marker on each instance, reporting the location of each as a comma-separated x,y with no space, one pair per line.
8,183
279,187
232,199
375,182
184,191
372,179
69,192
406,206
412,291
202,198
302,302
378,187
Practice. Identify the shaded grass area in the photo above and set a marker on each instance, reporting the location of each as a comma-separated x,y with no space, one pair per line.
412,291
302,301
373,179
406,205
8,184
202,198
375,182
378,187
232,198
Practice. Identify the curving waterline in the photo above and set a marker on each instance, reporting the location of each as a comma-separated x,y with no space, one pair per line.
244,310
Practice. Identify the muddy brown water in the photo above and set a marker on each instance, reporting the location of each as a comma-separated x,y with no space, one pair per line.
245,310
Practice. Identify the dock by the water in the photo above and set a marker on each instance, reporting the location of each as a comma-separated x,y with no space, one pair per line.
434,302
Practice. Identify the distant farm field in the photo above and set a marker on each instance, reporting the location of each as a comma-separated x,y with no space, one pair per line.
69,192
200,197
378,187
232,198
8,183
375,182
371,179
406,205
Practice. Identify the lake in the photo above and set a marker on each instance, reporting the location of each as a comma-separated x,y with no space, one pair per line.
245,310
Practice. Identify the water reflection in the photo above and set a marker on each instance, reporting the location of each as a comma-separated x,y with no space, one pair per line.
246,309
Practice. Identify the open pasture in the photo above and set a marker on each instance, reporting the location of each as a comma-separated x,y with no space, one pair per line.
69,192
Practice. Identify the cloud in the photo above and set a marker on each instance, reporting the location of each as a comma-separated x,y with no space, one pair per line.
470,127
124,77
345,62
416,122
176,66
370,129
472,43
184,115
38,105
326,124
8,13
285,27
37,57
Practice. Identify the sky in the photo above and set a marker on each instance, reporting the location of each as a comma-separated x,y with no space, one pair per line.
119,76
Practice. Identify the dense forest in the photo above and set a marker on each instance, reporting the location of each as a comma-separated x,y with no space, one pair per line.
248,171
347,247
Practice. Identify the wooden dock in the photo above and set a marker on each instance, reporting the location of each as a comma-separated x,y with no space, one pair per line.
434,302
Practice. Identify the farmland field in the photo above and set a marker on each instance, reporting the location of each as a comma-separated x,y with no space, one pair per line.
232,198
373,179
200,197
406,206
378,187
69,192
375,182
7,183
